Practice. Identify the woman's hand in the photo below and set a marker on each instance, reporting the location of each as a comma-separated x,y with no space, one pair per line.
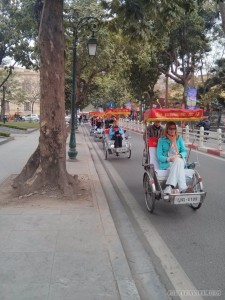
172,158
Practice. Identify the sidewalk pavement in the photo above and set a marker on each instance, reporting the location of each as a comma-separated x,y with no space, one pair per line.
60,250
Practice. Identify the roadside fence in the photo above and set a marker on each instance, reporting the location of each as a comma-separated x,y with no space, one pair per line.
200,137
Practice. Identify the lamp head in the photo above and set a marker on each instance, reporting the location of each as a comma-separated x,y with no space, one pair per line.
92,45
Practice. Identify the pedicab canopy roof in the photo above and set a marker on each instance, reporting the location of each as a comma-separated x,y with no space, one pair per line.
173,114
117,111
97,113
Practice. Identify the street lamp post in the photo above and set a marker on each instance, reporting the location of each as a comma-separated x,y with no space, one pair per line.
90,22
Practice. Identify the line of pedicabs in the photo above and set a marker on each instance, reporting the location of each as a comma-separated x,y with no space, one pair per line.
155,178
105,128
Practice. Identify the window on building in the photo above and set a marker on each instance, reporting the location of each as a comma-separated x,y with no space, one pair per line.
27,106
6,106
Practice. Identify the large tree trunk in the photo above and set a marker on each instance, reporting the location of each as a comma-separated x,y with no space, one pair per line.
47,166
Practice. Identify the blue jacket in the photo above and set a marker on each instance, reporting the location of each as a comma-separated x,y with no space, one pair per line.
111,132
163,149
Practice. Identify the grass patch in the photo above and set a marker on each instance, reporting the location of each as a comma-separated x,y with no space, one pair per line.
20,125
6,134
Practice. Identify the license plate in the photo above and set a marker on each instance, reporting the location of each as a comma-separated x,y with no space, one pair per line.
121,149
187,199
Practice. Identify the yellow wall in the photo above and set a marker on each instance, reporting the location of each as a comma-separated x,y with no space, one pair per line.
20,74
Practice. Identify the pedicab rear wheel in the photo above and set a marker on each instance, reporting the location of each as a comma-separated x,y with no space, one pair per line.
129,154
149,195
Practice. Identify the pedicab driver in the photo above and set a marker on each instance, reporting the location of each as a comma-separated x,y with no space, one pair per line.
155,130
171,152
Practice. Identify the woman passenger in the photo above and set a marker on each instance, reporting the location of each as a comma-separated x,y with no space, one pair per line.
171,153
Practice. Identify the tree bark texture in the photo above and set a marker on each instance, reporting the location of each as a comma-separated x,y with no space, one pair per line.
47,166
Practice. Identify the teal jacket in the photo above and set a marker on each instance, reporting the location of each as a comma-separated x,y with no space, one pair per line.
112,131
163,149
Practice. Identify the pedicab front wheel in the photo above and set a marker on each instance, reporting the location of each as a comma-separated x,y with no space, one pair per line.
149,195
198,187
196,206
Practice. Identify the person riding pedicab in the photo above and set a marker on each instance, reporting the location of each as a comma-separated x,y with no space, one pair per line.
154,130
98,123
171,154
115,134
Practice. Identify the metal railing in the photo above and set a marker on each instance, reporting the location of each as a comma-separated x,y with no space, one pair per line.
200,137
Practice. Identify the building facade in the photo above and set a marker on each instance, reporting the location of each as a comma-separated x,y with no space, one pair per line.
21,93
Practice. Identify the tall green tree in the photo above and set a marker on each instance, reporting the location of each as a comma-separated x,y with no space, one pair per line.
47,166
186,45
17,31
17,35
213,90
111,57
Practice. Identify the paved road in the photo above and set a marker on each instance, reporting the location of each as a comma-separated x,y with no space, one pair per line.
196,238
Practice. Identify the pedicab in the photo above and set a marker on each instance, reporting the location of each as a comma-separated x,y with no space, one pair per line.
154,179
112,147
95,130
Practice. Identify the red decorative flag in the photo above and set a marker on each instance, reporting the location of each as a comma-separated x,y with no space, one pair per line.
173,114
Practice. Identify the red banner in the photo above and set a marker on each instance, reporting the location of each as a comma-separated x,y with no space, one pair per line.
117,111
173,114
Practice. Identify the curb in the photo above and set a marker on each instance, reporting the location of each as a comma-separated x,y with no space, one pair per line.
6,140
211,151
18,131
126,286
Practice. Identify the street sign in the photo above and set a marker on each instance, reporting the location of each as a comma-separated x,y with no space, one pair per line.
111,104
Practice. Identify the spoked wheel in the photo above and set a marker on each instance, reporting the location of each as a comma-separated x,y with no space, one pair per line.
149,195
106,154
197,188
129,154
